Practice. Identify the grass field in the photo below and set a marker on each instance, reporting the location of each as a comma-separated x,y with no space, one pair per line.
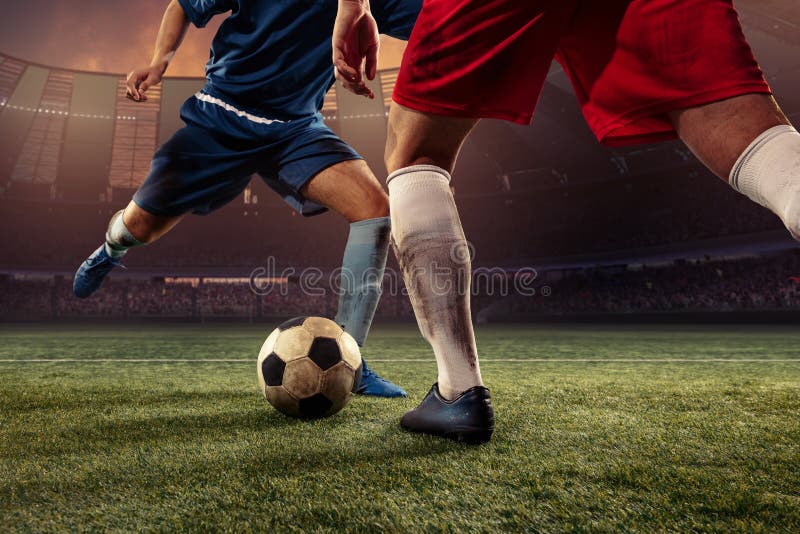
599,428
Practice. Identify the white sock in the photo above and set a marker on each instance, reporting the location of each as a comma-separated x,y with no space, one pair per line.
430,243
768,172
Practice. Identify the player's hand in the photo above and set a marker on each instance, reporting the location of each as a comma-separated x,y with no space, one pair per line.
140,80
355,46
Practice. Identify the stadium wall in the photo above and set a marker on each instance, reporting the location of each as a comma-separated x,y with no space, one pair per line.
103,141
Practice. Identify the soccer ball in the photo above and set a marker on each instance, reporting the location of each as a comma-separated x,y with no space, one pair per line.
309,367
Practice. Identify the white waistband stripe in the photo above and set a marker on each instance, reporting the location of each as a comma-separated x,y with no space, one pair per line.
227,107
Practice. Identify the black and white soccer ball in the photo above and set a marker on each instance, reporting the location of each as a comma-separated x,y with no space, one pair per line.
309,367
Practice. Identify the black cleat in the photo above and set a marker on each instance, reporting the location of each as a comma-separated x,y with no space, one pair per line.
468,418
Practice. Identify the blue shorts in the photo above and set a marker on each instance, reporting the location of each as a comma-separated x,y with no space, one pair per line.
210,161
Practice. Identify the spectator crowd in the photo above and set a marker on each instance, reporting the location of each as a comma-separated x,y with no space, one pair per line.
745,284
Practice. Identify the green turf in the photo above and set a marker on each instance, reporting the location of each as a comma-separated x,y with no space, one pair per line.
579,446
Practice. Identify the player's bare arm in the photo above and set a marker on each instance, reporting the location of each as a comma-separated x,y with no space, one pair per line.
355,46
145,227
173,29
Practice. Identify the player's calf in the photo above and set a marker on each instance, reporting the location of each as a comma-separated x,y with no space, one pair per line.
350,189
434,257
768,172
118,238
748,141
362,271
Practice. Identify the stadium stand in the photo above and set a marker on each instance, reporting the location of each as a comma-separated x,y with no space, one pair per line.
770,283
73,149
751,284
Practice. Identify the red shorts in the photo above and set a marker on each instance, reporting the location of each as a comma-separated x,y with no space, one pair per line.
630,61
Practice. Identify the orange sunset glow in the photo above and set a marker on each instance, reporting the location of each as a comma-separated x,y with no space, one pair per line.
112,36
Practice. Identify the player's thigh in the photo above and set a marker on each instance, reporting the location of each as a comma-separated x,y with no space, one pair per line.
195,171
418,138
350,189
314,170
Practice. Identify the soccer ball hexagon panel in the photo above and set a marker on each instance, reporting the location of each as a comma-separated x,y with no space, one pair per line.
309,367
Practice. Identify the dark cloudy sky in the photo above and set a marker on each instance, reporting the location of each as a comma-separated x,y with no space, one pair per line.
108,35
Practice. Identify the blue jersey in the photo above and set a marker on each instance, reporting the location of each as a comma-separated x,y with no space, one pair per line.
273,57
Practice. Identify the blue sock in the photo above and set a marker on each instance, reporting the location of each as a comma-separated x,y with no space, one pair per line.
362,275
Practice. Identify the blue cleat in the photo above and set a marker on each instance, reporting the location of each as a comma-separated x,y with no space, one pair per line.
92,272
375,386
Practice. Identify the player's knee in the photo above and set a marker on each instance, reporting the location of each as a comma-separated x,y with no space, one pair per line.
404,150
390,153
402,146
381,206
376,205
422,157
421,139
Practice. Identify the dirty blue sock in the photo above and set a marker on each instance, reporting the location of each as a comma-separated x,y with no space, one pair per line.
362,275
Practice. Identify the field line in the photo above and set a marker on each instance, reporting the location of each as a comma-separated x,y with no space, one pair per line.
412,360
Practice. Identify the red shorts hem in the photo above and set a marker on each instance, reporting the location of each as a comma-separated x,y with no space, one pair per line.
437,108
604,133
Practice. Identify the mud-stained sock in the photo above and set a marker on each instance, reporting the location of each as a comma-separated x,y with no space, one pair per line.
435,261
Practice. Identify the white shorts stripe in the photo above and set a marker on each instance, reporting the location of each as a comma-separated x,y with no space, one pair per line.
227,107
